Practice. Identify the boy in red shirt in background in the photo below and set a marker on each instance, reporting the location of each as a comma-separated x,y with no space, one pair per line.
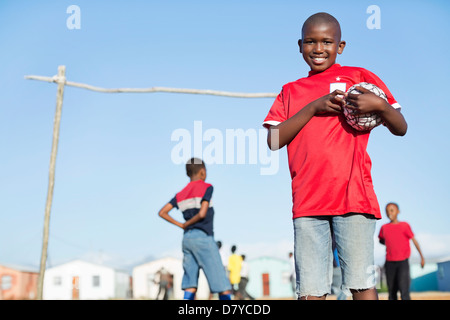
395,236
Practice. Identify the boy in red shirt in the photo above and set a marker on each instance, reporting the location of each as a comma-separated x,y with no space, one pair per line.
395,236
332,187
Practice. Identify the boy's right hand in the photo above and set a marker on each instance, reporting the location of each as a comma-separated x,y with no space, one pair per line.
330,103
287,130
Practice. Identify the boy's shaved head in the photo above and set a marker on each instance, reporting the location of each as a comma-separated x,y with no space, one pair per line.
321,41
322,18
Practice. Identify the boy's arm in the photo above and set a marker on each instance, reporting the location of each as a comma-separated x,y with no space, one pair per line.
422,259
282,134
381,237
164,213
369,102
199,216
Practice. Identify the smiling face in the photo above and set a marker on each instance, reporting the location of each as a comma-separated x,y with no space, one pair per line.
392,212
320,44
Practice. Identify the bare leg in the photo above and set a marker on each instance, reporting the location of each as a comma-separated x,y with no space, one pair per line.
365,294
324,297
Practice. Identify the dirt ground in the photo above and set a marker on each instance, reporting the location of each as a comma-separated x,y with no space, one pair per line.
428,295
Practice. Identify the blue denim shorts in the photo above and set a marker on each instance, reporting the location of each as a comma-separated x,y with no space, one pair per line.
314,257
201,251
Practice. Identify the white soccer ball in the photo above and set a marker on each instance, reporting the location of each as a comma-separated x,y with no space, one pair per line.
366,121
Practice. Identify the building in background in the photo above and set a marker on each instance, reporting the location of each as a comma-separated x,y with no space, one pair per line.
81,280
147,280
443,274
423,279
269,277
18,282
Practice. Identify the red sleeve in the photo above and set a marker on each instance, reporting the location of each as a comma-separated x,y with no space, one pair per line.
277,112
374,79
408,231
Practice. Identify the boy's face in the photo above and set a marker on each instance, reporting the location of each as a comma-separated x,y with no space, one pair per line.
320,45
392,212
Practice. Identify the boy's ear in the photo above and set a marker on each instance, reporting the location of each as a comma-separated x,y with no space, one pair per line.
300,45
341,47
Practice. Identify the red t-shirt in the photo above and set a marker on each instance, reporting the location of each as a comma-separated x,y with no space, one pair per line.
329,165
396,237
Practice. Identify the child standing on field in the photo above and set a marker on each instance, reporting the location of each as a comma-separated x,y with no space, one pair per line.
199,248
330,168
234,270
395,236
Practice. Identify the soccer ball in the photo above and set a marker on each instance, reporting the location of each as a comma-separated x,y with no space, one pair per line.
366,121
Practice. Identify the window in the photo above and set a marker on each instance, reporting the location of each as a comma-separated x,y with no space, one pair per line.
57,281
6,282
440,271
96,281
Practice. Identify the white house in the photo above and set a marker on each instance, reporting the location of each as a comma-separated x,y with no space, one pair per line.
146,282
81,280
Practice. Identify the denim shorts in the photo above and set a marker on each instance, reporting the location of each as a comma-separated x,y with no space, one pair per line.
201,251
353,234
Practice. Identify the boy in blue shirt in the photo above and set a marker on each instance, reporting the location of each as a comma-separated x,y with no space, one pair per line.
199,247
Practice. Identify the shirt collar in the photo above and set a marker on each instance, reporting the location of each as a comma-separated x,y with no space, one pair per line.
334,66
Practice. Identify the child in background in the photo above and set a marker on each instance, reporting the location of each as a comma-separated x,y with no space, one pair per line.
234,270
395,236
199,248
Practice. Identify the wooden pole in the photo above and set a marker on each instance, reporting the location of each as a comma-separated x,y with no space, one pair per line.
157,89
61,79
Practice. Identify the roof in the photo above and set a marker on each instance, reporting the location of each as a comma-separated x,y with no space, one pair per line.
445,259
88,262
20,268
269,258
157,260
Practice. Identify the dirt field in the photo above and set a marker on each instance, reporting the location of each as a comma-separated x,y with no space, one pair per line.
428,295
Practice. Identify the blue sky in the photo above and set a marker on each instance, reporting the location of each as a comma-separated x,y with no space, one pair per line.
114,168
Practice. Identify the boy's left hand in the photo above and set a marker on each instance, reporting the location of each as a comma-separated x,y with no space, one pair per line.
365,102
422,262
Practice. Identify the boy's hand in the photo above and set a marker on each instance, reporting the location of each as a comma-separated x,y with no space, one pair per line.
330,103
365,102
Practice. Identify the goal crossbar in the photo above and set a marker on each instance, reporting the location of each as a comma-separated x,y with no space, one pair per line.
56,79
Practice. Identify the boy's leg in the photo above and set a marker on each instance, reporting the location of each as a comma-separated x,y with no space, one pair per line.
191,268
404,280
366,294
189,294
208,258
354,241
391,279
313,257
